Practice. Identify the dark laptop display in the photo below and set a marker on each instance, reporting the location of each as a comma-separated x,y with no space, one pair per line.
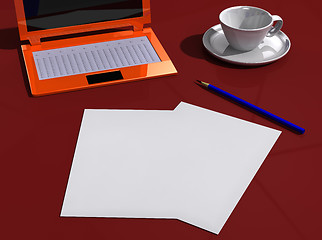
48,14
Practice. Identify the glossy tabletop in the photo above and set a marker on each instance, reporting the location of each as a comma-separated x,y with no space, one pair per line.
39,135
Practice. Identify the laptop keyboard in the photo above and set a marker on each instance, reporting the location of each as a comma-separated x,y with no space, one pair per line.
95,57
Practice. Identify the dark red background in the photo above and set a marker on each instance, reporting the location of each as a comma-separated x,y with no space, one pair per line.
38,135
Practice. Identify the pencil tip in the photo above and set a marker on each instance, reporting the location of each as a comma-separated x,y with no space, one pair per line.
201,83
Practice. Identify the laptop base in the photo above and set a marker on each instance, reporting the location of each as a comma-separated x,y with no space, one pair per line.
40,86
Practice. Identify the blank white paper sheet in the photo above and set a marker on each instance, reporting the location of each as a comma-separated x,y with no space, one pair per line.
190,164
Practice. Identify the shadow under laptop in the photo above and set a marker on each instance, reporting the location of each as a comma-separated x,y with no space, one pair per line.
24,72
11,41
9,38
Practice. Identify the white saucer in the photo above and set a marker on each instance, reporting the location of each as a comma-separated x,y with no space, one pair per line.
271,49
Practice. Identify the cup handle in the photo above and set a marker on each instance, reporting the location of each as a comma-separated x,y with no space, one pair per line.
278,25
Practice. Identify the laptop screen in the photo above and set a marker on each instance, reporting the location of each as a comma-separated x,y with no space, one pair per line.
49,14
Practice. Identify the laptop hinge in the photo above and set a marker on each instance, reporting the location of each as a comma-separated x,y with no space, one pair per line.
34,40
137,27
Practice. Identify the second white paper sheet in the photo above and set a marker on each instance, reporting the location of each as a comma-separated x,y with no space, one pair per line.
191,164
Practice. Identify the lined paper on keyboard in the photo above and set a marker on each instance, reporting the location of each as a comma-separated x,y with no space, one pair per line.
94,57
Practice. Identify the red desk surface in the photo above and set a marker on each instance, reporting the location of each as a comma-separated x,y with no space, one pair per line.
38,135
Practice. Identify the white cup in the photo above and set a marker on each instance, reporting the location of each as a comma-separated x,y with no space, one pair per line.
245,27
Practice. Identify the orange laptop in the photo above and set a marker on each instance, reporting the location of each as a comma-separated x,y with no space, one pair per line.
76,44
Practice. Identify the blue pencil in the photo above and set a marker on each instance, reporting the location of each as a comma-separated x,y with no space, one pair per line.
263,112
